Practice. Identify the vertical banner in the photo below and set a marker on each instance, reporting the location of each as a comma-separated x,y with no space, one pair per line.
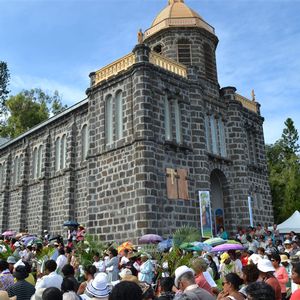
205,214
250,210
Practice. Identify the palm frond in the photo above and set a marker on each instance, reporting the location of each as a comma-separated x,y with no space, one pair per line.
186,234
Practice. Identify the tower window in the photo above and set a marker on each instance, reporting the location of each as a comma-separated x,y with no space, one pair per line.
209,62
84,142
157,49
184,52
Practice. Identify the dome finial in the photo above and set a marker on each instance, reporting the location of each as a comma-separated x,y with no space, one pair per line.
173,1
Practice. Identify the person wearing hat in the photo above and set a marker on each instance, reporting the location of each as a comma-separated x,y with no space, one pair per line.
97,288
199,265
266,274
287,246
295,248
6,278
146,269
11,262
4,296
22,289
227,265
188,289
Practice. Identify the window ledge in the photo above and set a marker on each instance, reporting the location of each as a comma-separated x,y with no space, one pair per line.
215,157
172,145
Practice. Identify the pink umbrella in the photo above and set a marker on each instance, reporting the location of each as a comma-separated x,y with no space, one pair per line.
227,247
150,239
9,233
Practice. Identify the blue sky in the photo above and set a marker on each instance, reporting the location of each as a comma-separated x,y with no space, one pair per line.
55,44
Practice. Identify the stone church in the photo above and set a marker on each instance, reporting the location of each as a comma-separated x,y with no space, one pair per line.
131,158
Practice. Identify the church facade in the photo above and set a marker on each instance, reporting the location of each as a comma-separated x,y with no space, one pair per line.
131,158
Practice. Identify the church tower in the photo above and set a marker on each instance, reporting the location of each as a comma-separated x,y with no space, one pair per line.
181,34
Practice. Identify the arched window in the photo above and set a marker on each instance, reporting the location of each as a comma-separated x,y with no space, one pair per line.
34,163
1,176
109,120
63,151
184,52
40,161
177,114
57,154
209,61
168,118
119,115
84,142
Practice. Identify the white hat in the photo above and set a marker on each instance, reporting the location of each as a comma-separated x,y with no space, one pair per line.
265,265
11,260
125,272
255,258
98,287
287,242
180,271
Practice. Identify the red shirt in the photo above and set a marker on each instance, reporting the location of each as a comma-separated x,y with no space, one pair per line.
295,295
201,281
273,282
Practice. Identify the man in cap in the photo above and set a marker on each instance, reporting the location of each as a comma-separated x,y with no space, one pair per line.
11,262
22,289
188,289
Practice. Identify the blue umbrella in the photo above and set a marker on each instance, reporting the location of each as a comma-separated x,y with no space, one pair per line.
165,245
71,223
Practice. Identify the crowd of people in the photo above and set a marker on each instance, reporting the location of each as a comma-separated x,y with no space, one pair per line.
267,269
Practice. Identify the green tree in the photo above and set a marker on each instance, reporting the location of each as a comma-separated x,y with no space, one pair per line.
27,109
284,172
4,81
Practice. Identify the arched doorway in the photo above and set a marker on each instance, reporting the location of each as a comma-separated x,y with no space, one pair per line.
219,193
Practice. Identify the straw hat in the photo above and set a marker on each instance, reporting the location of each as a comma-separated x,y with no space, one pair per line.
4,296
284,258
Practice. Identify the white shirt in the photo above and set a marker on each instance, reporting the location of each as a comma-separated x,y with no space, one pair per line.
61,261
100,266
51,280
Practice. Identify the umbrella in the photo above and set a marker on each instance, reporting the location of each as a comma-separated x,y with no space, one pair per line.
150,239
215,241
195,246
71,223
227,247
9,233
233,242
28,239
165,245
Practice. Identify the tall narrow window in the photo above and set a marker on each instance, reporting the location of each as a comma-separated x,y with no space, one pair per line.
57,154
1,176
222,140
119,116
34,163
184,52
20,159
16,170
84,142
209,62
214,136
177,122
207,133
168,118
109,120
63,151
40,161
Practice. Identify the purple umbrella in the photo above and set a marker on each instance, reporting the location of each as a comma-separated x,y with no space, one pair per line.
27,239
226,247
9,233
150,239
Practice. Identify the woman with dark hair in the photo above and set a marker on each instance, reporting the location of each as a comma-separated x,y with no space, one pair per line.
280,273
222,233
231,285
250,274
126,290
112,266
296,280
52,293
260,291
89,273
68,289
166,286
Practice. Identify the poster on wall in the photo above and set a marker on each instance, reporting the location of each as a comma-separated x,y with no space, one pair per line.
250,210
205,214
